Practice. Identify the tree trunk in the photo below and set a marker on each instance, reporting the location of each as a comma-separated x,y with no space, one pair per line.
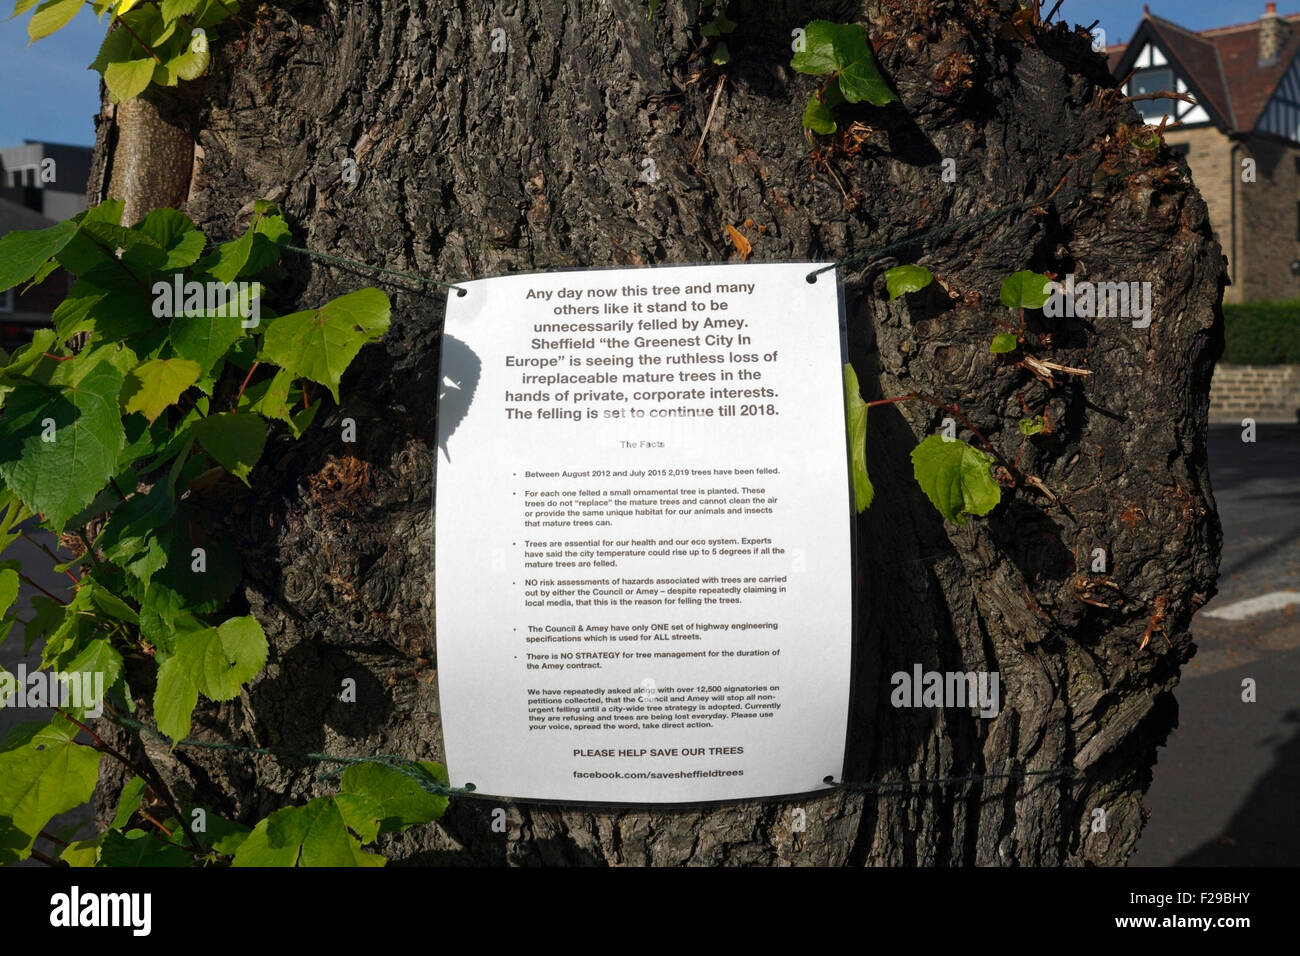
475,163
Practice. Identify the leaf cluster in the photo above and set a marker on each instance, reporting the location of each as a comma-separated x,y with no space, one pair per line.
842,52
116,441
158,42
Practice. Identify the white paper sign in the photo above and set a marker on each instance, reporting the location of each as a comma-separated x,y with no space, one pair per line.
643,535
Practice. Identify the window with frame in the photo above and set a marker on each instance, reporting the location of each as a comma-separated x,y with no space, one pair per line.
1156,80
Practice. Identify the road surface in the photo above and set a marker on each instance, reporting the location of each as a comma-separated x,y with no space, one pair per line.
1227,785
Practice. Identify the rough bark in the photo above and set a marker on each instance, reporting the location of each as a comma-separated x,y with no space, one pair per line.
475,163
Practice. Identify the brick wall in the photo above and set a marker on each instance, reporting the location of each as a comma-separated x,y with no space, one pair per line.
1267,226
1265,241
1261,392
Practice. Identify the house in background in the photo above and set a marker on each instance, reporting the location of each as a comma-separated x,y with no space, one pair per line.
41,184
47,177
21,313
1245,81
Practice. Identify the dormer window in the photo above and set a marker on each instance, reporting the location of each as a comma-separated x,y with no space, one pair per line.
1153,81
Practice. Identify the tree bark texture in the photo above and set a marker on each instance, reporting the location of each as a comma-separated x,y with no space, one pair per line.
476,163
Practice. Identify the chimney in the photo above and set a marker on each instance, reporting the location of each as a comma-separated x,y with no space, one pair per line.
1274,32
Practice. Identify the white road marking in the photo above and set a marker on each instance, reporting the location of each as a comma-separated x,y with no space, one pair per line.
1240,610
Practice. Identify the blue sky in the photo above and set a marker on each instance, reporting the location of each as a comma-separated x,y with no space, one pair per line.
50,95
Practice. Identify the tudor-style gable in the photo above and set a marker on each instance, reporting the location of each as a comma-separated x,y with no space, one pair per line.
1154,73
1244,78
1281,115
1163,56
1240,136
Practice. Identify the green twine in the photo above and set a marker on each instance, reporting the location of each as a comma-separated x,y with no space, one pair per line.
920,237
356,263
421,777
402,765
911,239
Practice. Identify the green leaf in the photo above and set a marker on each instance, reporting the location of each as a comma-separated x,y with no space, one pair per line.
818,116
82,853
221,834
269,397
205,338
140,848
234,656
128,802
311,835
234,439
252,252
843,49
176,233
127,79
229,258
143,439
1006,342
73,631
256,850
360,815
203,592
12,513
98,658
818,55
164,617
319,344
23,251
8,588
216,661
136,536
301,420
126,57
276,398
1026,290
58,478
188,64
51,16
171,9
400,800
175,698
93,252
856,417
1031,426
31,357
112,314
42,774
72,373
114,606
154,386
859,76
956,477
903,279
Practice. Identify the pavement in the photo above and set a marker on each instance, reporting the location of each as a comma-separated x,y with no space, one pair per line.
1226,786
